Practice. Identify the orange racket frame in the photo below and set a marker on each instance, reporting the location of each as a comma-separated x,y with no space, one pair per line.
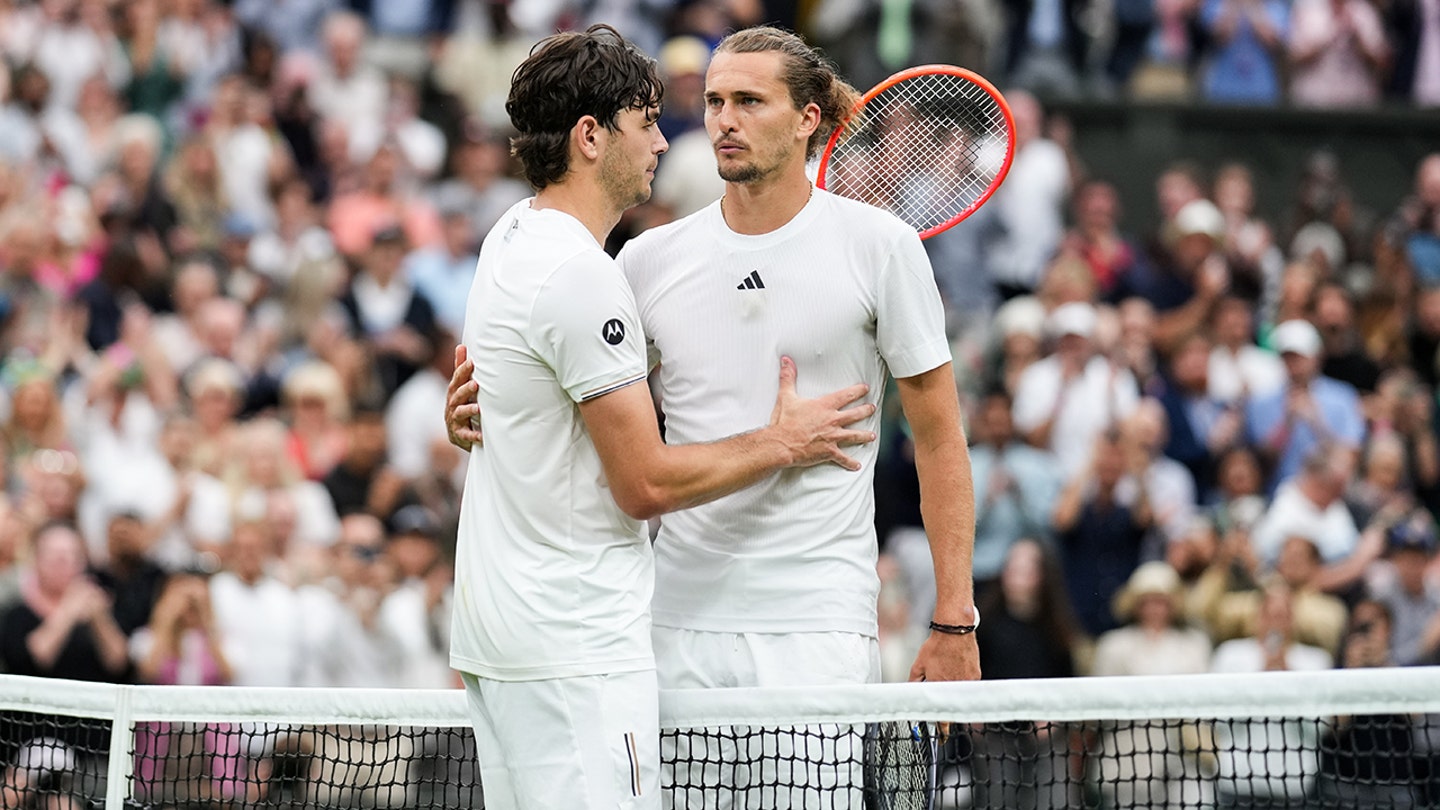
929,70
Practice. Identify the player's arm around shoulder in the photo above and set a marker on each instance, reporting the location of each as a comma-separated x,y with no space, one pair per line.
947,508
648,477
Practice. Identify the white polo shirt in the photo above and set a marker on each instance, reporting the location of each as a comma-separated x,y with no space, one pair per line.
552,580
844,289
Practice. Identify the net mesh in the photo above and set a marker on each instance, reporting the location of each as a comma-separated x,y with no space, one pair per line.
928,149
1327,740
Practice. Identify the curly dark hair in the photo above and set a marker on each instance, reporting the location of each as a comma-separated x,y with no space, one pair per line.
809,76
567,77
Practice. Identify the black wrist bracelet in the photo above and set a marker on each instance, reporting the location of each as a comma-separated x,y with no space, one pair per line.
953,629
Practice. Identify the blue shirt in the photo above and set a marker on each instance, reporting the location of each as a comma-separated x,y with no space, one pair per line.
1022,510
1242,71
1339,408
443,281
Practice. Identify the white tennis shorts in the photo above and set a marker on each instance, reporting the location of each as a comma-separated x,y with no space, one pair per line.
777,768
585,743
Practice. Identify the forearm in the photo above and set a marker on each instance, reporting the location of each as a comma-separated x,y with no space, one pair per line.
693,474
947,498
46,641
1173,327
111,643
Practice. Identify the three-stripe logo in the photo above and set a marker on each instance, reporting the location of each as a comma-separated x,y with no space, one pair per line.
751,282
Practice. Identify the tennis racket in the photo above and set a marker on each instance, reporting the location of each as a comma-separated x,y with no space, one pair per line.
899,762
929,144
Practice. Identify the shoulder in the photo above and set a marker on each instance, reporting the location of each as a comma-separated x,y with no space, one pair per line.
877,223
660,238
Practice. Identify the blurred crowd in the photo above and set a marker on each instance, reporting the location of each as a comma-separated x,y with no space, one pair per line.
236,239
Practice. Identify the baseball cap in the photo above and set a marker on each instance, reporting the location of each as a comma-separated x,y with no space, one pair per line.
1074,318
1199,217
415,520
1416,534
1296,336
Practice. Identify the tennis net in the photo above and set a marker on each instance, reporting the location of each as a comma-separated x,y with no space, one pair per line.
1346,738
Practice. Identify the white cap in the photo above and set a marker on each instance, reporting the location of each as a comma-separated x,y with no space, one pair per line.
1199,217
1022,315
1296,336
1074,318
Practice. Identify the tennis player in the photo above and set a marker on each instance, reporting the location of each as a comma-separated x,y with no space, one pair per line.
554,571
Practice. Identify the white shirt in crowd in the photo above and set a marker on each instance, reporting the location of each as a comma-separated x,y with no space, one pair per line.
552,579
1291,514
847,292
1099,398
1249,372
264,642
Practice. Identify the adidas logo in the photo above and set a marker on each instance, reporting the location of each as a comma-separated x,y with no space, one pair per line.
751,282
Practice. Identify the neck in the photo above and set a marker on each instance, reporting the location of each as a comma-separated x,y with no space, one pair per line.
757,208
594,210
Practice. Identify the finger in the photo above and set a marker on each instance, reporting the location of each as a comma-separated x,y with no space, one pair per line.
787,376
460,353
853,415
462,414
464,395
853,438
842,460
845,396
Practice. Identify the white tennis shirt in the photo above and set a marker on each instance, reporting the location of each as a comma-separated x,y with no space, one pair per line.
552,580
844,289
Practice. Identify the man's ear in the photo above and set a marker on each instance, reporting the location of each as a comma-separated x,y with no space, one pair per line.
585,137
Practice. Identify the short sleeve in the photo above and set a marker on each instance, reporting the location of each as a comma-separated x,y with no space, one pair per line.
585,326
909,318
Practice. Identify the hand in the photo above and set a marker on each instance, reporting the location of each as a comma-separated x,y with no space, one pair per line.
1214,277
815,429
462,411
947,657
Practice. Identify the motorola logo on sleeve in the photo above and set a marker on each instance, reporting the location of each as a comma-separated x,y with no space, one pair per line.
613,331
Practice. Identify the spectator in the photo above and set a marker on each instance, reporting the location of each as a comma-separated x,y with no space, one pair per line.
1238,368
346,643
1229,602
1255,262
1267,761
314,396
63,626
357,216
1030,205
1370,760
196,283
1063,402
130,579
1029,632
1311,506
265,485
1045,46
1410,597
483,187
1099,532
414,417
1344,357
442,274
1096,237
1311,409
1015,488
386,311
363,481
1143,766
1201,426
1169,487
1189,278
255,611
1337,50
1247,37
345,88
297,239
416,614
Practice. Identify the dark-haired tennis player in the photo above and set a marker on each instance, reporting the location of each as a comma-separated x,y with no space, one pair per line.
554,571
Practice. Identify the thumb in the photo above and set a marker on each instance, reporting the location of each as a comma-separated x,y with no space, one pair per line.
460,354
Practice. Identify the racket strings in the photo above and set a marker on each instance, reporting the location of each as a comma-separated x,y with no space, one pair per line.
928,149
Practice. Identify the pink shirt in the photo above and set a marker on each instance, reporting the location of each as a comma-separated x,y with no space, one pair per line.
1340,75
